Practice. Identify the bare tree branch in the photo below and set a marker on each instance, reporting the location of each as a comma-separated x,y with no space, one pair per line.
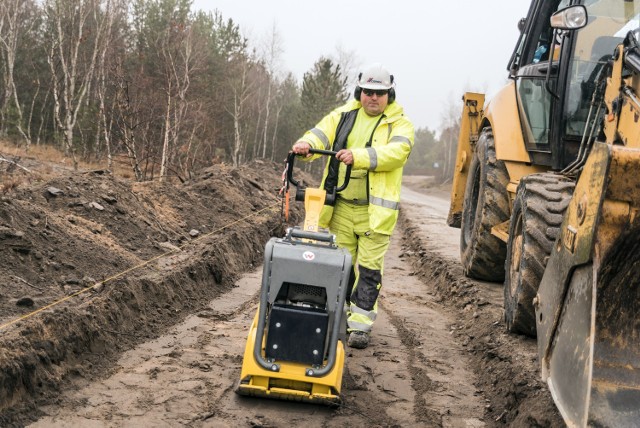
3,159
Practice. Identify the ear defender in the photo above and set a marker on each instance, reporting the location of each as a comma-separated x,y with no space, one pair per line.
358,91
392,91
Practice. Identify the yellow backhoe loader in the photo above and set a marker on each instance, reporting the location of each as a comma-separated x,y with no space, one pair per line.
546,193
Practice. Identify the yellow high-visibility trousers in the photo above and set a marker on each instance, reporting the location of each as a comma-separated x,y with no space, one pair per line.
350,224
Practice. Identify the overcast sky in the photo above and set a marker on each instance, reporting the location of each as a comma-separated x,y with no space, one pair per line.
436,50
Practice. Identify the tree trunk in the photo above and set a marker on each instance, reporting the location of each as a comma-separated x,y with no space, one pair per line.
165,140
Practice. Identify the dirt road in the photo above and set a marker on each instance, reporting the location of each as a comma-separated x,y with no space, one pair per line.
439,355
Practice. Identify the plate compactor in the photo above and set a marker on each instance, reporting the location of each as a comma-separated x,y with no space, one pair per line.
295,347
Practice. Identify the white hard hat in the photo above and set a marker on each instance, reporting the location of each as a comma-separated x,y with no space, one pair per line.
375,76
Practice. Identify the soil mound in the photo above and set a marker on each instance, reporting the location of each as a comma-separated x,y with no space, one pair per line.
92,264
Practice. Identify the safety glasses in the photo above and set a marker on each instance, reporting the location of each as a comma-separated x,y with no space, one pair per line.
378,92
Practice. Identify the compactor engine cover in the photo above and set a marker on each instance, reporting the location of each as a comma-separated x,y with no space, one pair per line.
295,347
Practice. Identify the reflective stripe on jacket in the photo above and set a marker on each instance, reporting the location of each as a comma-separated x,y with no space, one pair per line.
390,148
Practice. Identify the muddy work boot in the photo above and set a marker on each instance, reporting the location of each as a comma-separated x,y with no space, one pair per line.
358,339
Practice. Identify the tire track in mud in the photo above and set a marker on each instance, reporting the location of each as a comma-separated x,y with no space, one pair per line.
505,365
443,386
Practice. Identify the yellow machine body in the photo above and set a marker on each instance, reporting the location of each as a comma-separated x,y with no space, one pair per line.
295,346
546,184
291,382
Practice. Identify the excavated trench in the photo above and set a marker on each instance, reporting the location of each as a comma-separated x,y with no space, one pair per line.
88,326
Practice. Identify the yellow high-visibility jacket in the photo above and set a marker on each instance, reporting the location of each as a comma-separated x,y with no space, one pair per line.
390,147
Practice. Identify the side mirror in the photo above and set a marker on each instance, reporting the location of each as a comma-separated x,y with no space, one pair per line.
570,18
521,24
635,34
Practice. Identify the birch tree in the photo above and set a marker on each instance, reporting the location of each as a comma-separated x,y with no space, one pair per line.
14,20
242,88
179,59
347,60
167,44
7,65
126,121
76,30
287,127
114,10
450,123
272,57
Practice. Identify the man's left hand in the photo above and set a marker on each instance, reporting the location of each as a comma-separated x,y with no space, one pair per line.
345,156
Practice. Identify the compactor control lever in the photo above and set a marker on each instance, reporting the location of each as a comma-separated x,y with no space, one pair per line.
330,198
315,198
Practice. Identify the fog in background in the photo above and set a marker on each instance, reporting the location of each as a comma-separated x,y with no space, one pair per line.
435,50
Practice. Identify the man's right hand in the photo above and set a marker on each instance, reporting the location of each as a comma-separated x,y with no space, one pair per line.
301,148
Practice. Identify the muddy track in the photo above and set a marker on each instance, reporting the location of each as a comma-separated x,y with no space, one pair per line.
186,377
439,355
505,365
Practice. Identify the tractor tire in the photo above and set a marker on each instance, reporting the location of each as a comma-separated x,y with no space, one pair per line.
538,210
486,204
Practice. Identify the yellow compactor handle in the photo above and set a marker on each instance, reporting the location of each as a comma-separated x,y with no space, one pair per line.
313,203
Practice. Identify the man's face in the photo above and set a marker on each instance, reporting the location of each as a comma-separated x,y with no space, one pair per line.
374,101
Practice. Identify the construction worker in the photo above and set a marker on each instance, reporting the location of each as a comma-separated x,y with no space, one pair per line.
372,134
